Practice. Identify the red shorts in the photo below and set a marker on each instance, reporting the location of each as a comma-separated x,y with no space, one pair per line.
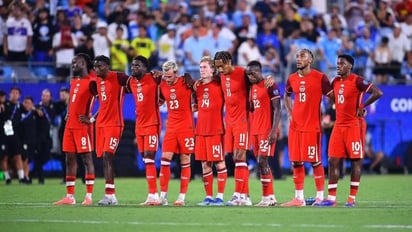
304,146
147,138
77,140
261,146
179,142
107,139
236,137
209,148
346,142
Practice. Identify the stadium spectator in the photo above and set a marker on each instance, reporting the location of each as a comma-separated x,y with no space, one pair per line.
72,10
307,10
87,14
364,51
142,45
385,17
3,19
179,136
64,43
248,51
334,11
399,45
61,114
369,22
101,40
308,86
267,39
406,26
77,139
348,135
167,45
112,28
209,132
86,48
42,44
264,125
17,41
119,52
195,47
11,144
328,48
406,70
243,11
60,19
382,58
78,30
268,8
46,113
245,29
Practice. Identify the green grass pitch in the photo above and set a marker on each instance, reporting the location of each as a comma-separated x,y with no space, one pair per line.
383,203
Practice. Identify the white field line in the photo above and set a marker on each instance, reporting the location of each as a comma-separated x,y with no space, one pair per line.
189,224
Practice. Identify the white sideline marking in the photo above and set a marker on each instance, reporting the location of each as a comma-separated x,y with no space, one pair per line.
201,224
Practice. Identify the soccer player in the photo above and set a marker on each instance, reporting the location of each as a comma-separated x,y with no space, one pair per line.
264,125
146,95
179,136
234,83
110,87
308,85
348,134
209,132
77,138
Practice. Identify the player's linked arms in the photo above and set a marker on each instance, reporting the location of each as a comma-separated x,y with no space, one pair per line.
187,79
269,81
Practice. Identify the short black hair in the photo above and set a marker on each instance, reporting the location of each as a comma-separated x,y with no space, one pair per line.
15,88
144,60
103,58
348,58
29,98
2,93
88,60
255,63
64,89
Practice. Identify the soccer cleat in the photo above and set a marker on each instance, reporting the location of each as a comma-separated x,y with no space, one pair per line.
245,201
207,201
310,200
108,200
218,202
327,203
317,202
235,201
66,201
152,199
163,201
87,201
294,203
350,203
179,202
8,181
267,201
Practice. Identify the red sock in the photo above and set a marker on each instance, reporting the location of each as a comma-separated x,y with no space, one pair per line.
109,187
151,175
239,175
89,178
246,180
319,175
354,186
70,182
267,184
208,183
185,175
221,180
164,176
299,177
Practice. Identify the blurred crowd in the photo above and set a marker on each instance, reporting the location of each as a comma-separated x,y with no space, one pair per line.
40,38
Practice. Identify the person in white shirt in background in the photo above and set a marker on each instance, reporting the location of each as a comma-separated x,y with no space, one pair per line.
101,40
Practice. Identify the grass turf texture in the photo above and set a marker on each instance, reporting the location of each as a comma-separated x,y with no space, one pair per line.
383,203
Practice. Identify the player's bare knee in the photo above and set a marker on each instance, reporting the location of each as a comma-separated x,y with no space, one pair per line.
220,165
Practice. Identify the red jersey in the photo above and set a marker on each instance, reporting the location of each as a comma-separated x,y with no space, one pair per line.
262,115
81,102
111,92
348,96
235,92
179,106
210,109
146,98
308,92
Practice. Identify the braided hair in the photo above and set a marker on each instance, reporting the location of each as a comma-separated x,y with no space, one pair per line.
224,56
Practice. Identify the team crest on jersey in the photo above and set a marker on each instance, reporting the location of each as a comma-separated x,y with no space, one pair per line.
302,88
139,88
103,87
206,95
275,92
172,96
365,82
76,89
254,94
228,84
340,90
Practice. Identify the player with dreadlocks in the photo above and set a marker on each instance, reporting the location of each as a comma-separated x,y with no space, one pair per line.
235,85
